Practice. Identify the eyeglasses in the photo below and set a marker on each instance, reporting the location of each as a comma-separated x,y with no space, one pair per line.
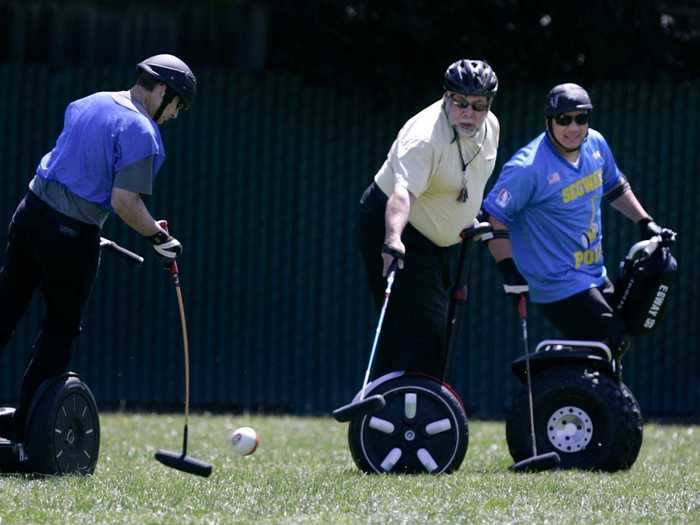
565,120
463,103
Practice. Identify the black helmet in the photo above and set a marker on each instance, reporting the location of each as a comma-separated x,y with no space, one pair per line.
565,98
174,73
471,77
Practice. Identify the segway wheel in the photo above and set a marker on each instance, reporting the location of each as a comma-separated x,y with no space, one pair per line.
591,420
63,431
422,429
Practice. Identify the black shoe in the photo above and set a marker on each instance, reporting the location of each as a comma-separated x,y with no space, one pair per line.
7,424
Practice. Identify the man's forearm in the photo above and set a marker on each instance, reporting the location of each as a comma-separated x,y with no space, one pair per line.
131,209
499,248
629,206
398,208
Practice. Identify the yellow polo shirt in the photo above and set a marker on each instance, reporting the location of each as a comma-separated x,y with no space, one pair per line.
425,159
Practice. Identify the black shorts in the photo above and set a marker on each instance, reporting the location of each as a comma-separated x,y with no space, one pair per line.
586,315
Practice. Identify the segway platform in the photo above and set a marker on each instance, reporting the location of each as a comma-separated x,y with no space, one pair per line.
9,455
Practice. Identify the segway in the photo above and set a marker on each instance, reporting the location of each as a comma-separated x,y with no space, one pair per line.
406,422
62,434
582,409
62,429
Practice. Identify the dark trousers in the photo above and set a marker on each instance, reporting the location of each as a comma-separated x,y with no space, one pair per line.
414,331
59,256
586,315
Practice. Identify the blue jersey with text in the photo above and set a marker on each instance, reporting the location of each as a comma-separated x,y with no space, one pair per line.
100,137
552,209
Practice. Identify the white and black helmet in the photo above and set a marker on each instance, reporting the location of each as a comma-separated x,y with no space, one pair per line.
471,78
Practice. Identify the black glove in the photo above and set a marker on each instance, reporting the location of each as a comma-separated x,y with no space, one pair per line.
396,261
648,229
166,246
514,284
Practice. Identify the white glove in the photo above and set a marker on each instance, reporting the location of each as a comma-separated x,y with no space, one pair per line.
167,246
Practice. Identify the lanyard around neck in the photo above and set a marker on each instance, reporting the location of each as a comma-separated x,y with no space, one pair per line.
463,193
480,146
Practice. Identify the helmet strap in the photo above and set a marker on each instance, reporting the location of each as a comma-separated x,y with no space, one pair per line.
167,99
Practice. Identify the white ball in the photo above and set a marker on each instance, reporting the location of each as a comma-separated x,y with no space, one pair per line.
244,440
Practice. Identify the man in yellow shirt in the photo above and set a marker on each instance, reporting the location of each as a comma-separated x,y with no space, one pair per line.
428,190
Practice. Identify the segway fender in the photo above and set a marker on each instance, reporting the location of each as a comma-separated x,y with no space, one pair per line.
390,376
378,381
553,352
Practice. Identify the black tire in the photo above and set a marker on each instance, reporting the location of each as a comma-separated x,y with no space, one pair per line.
63,432
403,428
591,420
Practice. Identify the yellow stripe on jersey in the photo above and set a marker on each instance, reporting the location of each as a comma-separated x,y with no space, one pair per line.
582,186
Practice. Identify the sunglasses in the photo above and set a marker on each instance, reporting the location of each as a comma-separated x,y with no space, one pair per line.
565,120
463,103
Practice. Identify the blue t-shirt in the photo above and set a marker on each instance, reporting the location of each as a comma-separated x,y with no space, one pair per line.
100,137
552,209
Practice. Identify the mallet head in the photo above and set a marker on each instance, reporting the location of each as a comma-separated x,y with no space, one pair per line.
537,463
183,463
368,405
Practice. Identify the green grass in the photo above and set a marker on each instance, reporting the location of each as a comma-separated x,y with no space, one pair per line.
303,473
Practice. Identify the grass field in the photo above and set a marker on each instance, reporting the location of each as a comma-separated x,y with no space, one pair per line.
303,473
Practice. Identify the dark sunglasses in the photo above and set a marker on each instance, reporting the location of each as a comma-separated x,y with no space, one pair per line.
565,120
463,103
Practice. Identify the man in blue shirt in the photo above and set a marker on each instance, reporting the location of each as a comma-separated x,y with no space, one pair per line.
548,197
105,159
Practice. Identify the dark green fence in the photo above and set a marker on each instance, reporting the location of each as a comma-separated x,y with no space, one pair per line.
261,185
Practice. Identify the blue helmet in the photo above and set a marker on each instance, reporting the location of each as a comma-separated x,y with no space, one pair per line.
471,78
565,98
174,73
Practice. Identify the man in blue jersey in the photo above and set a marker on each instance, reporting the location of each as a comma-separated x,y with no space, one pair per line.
105,159
548,198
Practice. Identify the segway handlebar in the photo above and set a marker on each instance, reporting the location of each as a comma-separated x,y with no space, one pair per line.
121,251
479,231
649,246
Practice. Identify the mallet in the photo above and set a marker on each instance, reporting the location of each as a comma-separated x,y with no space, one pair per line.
369,405
536,462
181,461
